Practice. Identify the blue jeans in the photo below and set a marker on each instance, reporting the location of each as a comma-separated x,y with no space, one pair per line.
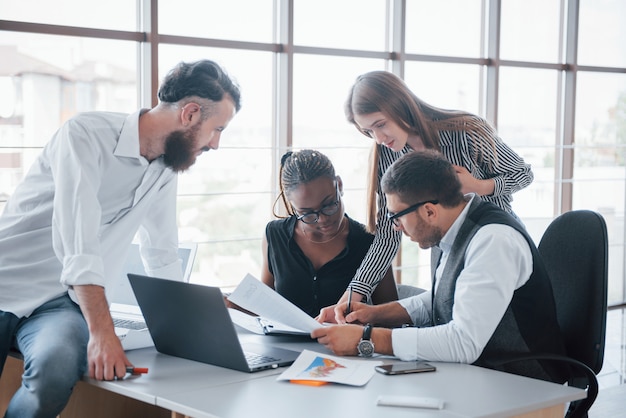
53,341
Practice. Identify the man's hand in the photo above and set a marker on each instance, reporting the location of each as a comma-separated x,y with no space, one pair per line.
327,315
340,339
343,339
361,313
335,314
106,357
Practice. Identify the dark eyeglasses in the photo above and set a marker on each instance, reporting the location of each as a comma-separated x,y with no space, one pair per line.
395,217
328,210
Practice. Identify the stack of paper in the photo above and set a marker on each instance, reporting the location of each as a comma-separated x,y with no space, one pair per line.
276,314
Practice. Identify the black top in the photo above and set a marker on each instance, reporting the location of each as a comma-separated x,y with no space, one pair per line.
294,275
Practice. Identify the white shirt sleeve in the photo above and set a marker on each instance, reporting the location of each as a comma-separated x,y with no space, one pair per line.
75,166
419,308
498,261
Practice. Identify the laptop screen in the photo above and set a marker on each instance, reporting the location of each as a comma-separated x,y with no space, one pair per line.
123,293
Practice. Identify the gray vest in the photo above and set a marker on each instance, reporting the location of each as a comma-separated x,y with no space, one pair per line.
529,324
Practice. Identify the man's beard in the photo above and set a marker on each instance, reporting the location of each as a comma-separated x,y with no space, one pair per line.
430,235
180,152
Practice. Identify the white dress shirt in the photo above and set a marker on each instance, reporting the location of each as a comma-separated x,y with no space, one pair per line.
497,262
484,157
71,220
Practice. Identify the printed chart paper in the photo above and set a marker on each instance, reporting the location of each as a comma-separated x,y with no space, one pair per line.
322,367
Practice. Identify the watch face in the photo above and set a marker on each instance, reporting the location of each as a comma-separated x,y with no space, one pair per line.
366,348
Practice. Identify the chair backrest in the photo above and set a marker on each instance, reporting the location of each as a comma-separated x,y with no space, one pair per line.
574,248
406,291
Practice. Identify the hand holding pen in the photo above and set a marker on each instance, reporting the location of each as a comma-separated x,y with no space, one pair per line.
349,306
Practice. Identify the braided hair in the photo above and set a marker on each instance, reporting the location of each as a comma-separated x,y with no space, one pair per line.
301,167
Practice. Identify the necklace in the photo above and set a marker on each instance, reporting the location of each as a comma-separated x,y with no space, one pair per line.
343,224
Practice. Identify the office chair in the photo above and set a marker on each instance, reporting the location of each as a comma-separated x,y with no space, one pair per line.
574,249
406,291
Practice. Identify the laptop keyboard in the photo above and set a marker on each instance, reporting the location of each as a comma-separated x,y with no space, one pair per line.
255,359
129,324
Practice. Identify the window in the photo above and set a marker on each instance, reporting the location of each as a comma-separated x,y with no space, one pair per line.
554,84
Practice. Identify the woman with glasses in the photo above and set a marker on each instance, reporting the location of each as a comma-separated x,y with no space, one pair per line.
311,255
382,107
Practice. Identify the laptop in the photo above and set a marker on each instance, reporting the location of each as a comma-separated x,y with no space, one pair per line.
191,321
130,325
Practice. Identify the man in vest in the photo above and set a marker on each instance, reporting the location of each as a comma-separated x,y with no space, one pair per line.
491,297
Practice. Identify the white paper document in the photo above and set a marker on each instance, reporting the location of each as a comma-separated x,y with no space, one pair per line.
261,326
322,367
253,295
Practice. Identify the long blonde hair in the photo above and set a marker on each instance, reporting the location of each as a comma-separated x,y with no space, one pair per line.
382,91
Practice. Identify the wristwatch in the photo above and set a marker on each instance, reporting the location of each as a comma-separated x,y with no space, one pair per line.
366,346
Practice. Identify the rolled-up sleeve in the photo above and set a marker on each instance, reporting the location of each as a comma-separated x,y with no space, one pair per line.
75,166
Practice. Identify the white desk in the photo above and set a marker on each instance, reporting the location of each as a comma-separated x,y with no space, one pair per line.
468,391
169,375
200,390
203,391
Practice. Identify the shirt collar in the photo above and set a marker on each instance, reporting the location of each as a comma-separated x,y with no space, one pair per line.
128,142
450,236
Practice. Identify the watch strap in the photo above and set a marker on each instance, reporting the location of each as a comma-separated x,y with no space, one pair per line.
367,332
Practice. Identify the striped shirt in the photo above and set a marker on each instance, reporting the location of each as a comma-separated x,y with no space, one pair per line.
498,162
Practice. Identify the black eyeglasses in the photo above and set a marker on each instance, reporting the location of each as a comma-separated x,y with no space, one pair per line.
328,210
395,217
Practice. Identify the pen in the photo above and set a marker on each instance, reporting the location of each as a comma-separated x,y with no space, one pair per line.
136,370
348,308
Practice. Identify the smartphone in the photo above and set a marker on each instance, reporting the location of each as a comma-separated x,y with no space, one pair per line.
405,367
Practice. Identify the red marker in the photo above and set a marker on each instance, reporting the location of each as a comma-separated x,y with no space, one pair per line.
137,370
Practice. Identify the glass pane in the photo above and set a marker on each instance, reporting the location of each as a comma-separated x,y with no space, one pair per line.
110,14
355,24
228,228
444,27
449,86
601,36
529,35
252,126
239,20
229,170
415,269
48,79
599,162
319,120
527,123
216,217
224,264
601,109
225,200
